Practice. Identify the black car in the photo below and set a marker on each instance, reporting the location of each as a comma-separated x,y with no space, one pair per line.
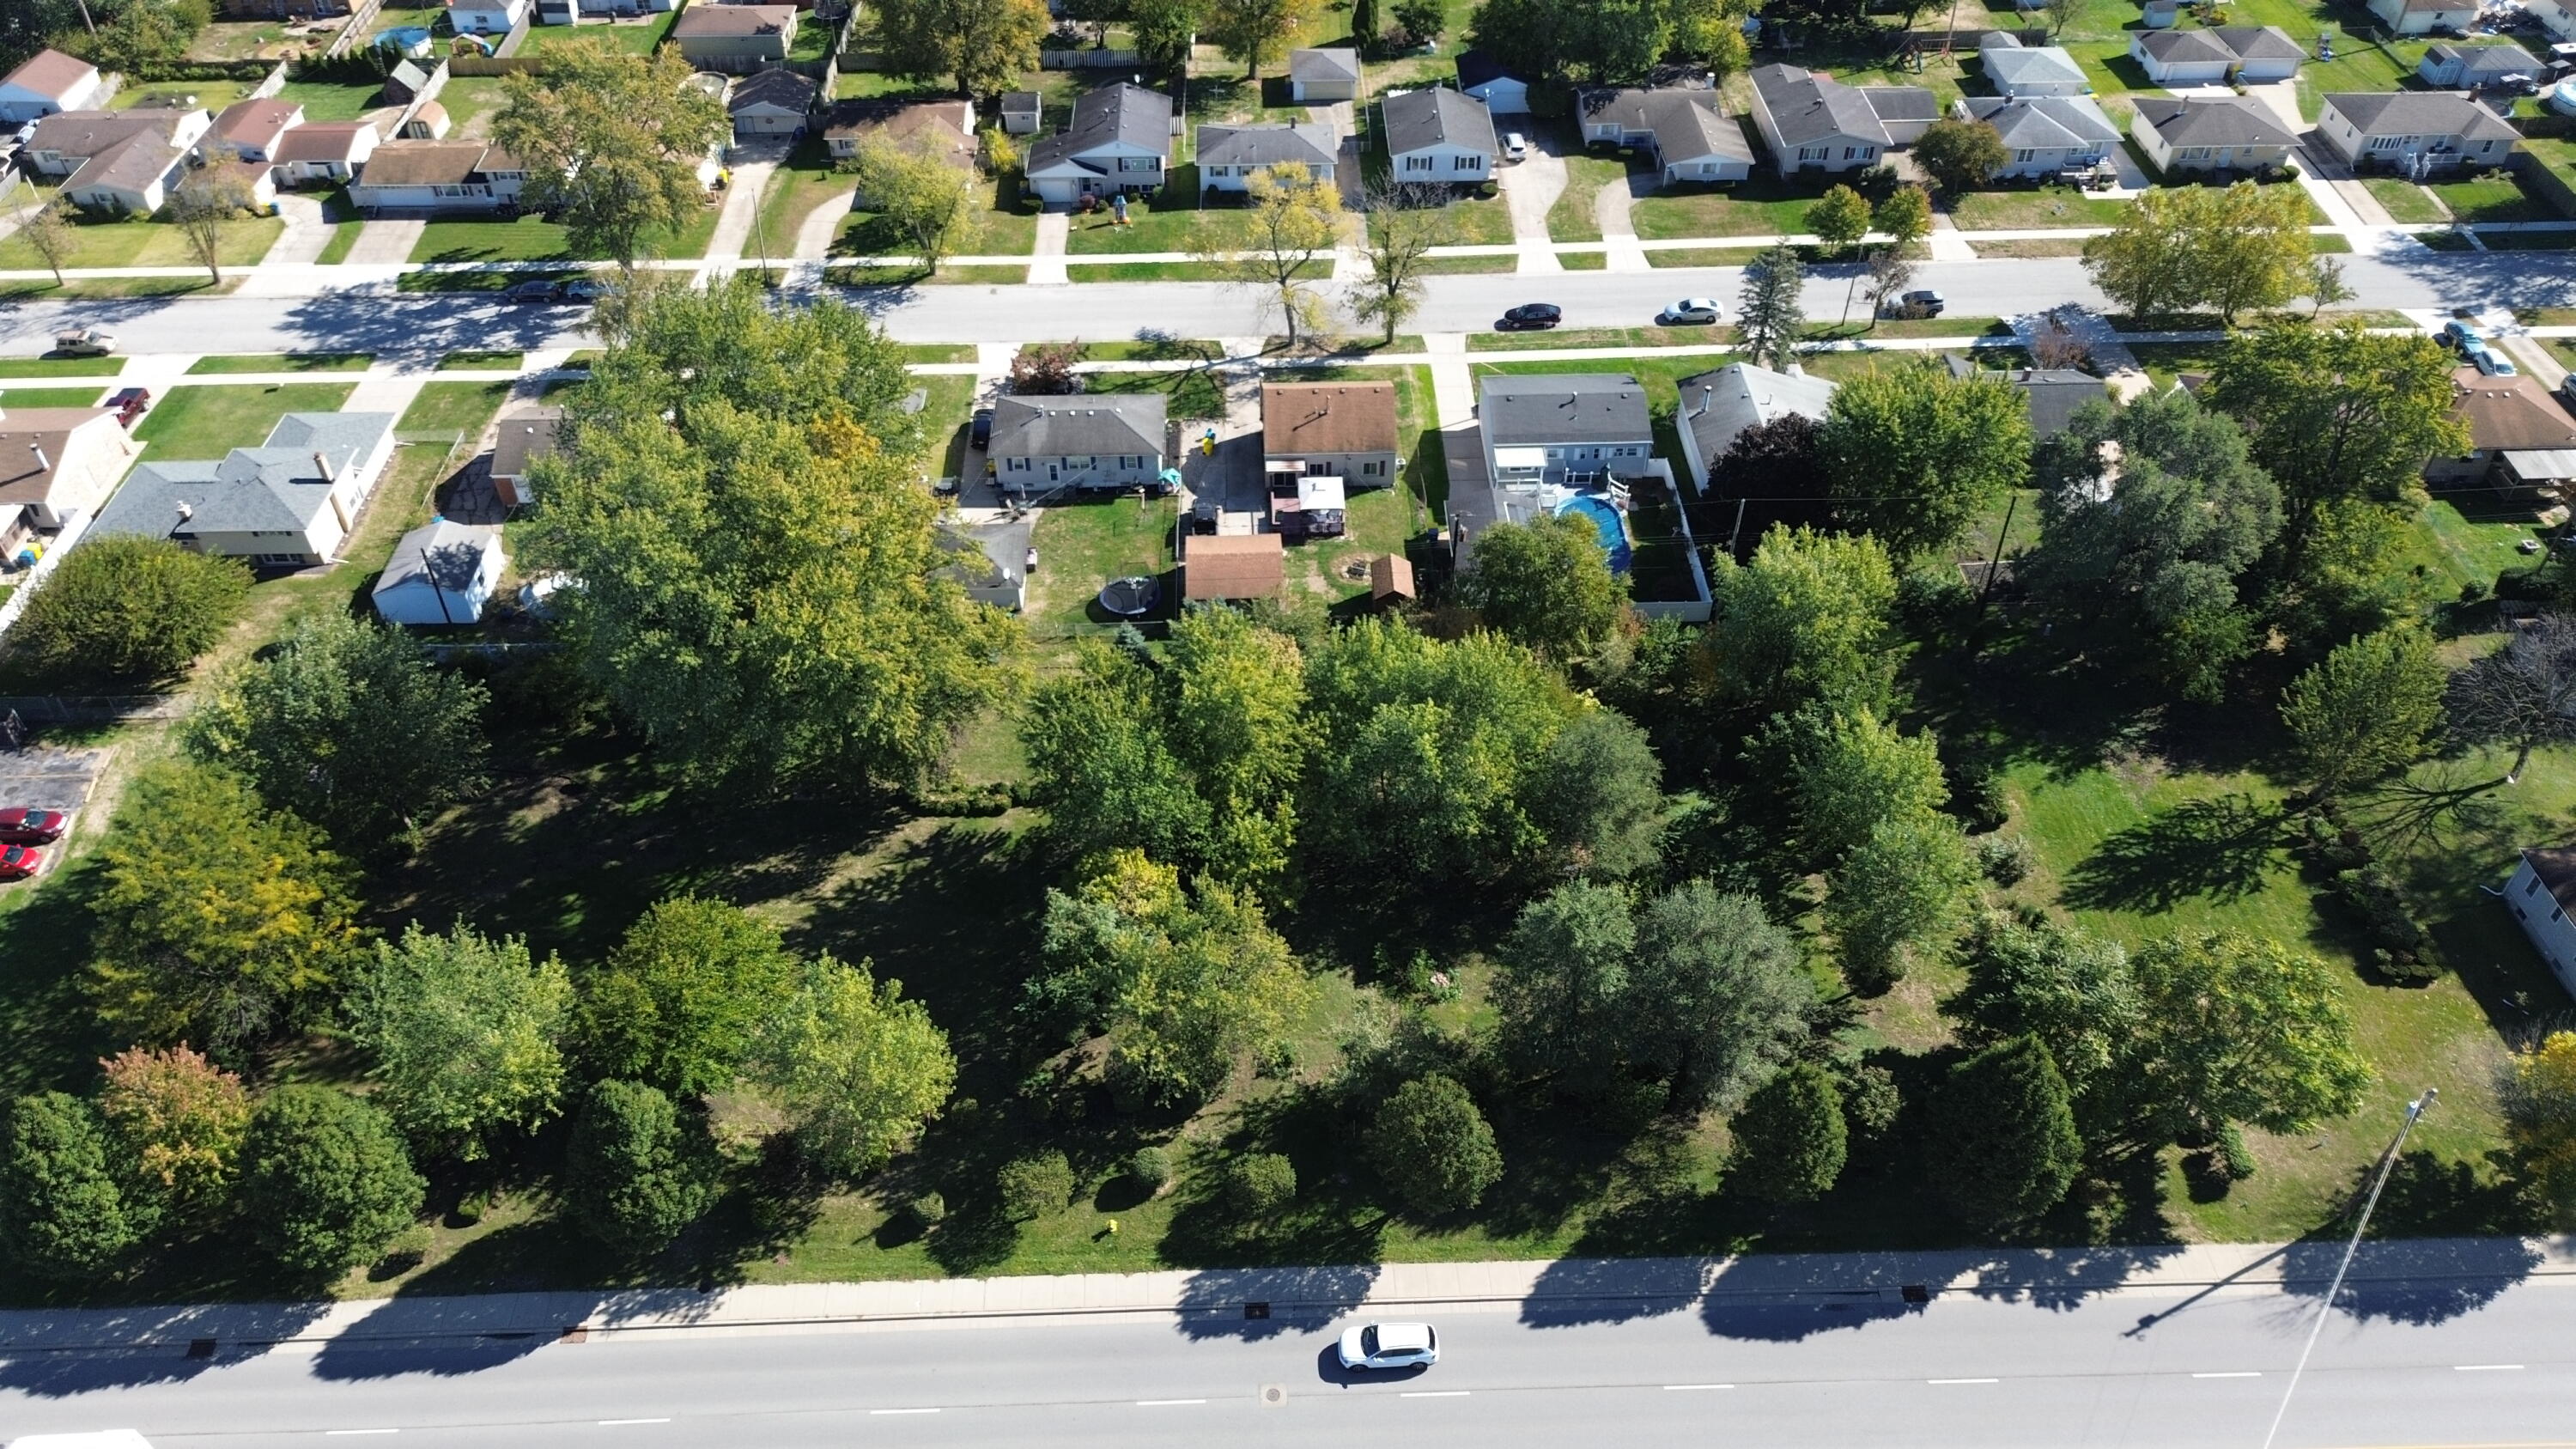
534,292
1530,317
1918,304
983,428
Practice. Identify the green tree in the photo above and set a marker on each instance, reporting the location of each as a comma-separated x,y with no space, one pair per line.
1103,766
2145,263
347,724
1960,156
1163,30
2152,552
922,196
1562,987
1261,1185
466,1033
1772,308
1840,218
2245,246
612,143
1234,698
1806,620
1711,32
983,46
637,1170
1920,453
1421,21
680,1004
2366,710
2068,988
46,229
325,1183
126,607
1790,1139
202,207
217,917
1432,1147
761,590
1256,31
1529,38
62,1213
2000,1136
1547,584
1365,27
2540,1114
1598,798
1288,233
1616,41
2240,1028
1033,1186
1901,892
1397,245
859,1068
178,1121
1904,216
1852,773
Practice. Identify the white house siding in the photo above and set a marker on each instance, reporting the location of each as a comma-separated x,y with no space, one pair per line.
1307,92
1106,471
2556,18
19,105
1840,153
139,201
1708,168
2177,72
2551,933
2049,160
2397,151
2395,15
1503,96
2268,69
1440,165
1358,470
766,121
1239,178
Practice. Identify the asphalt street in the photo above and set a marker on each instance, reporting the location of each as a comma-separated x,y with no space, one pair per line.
2438,1361
397,325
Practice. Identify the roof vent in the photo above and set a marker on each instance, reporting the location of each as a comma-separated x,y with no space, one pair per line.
186,513
323,465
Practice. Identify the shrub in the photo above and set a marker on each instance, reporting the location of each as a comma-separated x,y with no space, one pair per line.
61,1213
324,1180
1151,1167
1870,1101
1035,1185
1790,1139
2402,948
636,1172
927,1209
130,608
1261,1184
1433,1148
2001,1135
2005,859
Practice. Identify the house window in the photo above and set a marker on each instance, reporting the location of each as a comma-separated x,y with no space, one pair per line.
1815,153
279,558
2025,157
2384,143
1371,470
2532,889
1467,163
1417,163
1019,465
1851,153
1140,163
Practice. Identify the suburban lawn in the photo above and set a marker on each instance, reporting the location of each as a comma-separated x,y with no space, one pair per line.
805,181
1572,217
210,421
229,362
61,366
2025,209
1005,226
1755,207
532,238
2493,198
1472,221
1168,223
326,101
637,37
453,409
2405,201
482,361
1084,543
146,244
49,397
205,95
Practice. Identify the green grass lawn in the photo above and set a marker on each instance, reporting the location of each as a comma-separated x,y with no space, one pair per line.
939,352
209,95
1315,270
1572,217
2405,201
49,397
636,37
1084,544
1170,223
947,276
796,188
1005,226
482,361
1755,207
146,244
61,366
324,101
280,362
458,408
1594,337
2030,209
534,239
1701,257
210,421
1475,222
2492,198
1192,395
469,96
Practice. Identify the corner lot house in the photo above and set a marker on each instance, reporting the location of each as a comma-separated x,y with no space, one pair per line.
2045,134
46,83
2414,131
524,435
2474,67
2223,133
1344,430
1482,76
2519,438
2213,57
1716,406
735,38
1690,137
287,503
1813,122
1438,137
55,462
2542,889
324,151
1316,76
438,176
68,140
250,130
1109,440
1120,139
1570,428
772,103
2423,17
2018,70
442,572
1229,155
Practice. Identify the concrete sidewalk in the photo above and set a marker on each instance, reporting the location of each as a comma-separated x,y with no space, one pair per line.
2047,1277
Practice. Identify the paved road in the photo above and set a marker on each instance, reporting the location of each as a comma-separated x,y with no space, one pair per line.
2436,1361
398,324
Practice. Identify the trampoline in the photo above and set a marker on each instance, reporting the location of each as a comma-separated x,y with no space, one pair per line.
1614,535
1132,597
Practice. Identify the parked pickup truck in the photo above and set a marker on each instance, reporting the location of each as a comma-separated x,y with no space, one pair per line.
84,342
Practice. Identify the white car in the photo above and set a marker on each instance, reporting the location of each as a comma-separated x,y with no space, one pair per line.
1515,146
1390,1346
1690,310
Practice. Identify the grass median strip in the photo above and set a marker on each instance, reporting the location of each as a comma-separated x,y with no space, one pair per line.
233,362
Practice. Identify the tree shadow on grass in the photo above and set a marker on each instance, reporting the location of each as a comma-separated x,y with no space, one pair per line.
53,1036
2218,849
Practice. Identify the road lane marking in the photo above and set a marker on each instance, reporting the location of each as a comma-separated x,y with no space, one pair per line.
2485,1368
1963,1381
1433,1394
1165,1403
342,1433
2237,1374
903,1411
1686,1388
608,1423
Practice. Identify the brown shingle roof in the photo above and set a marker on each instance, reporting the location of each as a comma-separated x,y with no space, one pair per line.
320,141
424,163
1328,417
715,20
254,123
1390,577
2509,414
22,432
523,438
50,73
942,128
86,133
1233,566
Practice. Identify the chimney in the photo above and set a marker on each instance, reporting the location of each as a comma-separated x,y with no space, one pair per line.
323,465
43,463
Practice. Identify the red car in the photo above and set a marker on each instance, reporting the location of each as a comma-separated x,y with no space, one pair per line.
19,862
129,405
26,826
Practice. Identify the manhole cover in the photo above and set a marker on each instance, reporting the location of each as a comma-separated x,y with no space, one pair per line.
1273,1395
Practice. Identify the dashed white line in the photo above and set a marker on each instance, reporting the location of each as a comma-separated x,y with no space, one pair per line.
1687,1388
344,1433
610,1423
903,1411
1963,1381
2485,1368
1433,1394
2236,1374
1166,1403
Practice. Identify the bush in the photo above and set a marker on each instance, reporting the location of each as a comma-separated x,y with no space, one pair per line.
2403,949
129,608
1151,1168
1035,1185
1261,1184
1433,1148
61,1213
636,1173
2005,859
325,1181
1870,1101
927,1209
1790,1139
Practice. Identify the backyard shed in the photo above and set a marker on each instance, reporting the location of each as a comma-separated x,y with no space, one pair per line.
441,573
1232,566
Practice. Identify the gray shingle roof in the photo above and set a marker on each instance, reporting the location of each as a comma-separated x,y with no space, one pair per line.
2212,121
1082,426
277,486
2171,46
1475,68
441,552
2045,122
132,164
1902,103
1310,142
1686,123
1335,63
1810,107
86,133
777,87
2420,113
523,438
2011,66
1122,112
1578,407
2261,42
1717,405
1022,103
1416,120
2484,62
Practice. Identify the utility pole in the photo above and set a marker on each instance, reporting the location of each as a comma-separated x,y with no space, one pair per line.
2415,1111
1998,562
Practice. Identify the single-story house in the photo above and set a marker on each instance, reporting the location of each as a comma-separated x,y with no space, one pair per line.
1344,430
524,435
1229,155
2218,133
287,503
1813,122
250,130
2412,131
1119,140
2541,891
2424,17
324,151
2519,437
1691,137
1222,566
1563,427
772,103
49,82
255,182
442,572
2215,56
735,37
1021,111
486,17
2555,17
133,177
2475,67
2051,393
943,128
1482,76
438,176
67,140
1087,441
568,12
1438,137
1718,405
2015,69
55,462
1905,112
2045,134
1323,75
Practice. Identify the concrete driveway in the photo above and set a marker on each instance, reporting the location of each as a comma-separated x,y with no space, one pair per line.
1529,188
